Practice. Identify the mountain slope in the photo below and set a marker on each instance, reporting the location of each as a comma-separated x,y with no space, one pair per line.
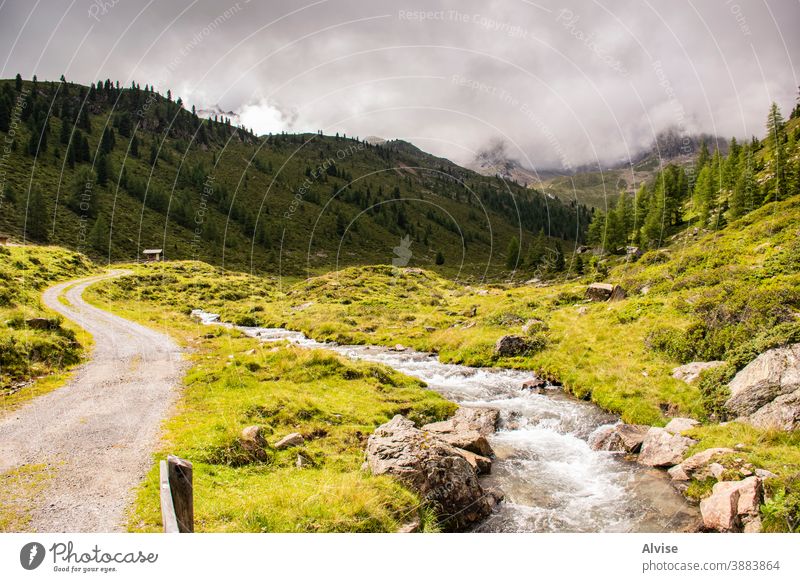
112,171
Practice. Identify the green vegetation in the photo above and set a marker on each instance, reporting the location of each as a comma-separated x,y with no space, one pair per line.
237,382
715,190
110,171
33,361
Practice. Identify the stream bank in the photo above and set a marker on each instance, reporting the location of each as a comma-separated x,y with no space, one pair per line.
552,479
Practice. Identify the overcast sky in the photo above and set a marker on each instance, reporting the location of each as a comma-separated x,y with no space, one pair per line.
562,83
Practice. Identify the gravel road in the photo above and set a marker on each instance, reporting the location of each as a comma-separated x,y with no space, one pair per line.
98,431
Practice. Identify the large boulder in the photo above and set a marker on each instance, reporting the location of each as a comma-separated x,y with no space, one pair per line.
512,345
720,509
698,466
679,425
432,468
690,372
599,291
467,429
482,419
625,438
661,448
766,392
733,506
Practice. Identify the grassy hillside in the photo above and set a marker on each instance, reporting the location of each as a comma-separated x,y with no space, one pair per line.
28,354
112,171
684,304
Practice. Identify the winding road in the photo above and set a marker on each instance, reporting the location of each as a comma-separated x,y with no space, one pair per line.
97,432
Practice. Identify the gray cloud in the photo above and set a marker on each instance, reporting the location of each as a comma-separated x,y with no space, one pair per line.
563,83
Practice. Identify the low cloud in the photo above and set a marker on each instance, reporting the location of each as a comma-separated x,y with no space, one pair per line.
554,81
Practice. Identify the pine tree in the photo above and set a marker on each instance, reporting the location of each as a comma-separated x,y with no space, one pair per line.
776,133
9,195
703,196
512,253
743,196
85,152
558,260
439,258
65,131
18,82
98,236
652,231
703,157
84,122
5,113
537,250
37,217
103,169
135,147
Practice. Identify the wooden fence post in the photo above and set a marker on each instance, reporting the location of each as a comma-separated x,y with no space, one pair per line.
177,500
180,484
168,519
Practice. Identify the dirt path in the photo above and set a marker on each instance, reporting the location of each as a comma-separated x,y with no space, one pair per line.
96,433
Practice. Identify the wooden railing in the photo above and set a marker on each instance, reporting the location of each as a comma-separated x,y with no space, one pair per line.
177,500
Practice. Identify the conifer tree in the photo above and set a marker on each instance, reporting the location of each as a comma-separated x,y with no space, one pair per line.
37,217
98,236
775,142
512,253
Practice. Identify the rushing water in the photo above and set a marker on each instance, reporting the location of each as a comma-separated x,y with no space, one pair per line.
552,479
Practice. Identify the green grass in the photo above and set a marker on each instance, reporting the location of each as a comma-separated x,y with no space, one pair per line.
33,362
726,295
237,382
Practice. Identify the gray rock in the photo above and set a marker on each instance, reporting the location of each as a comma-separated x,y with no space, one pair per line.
733,506
432,468
680,425
253,441
720,509
752,526
512,345
716,470
697,466
294,439
469,440
766,392
663,449
764,474
617,294
625,438
467,429
599,291
691,372
480,464
302,462
538,385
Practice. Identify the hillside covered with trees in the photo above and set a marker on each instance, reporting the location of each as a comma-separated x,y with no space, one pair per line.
111,170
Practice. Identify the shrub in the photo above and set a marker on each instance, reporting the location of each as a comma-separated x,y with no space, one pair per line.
781,511
713,385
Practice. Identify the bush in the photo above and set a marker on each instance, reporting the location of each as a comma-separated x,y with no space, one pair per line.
713,385
781,511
